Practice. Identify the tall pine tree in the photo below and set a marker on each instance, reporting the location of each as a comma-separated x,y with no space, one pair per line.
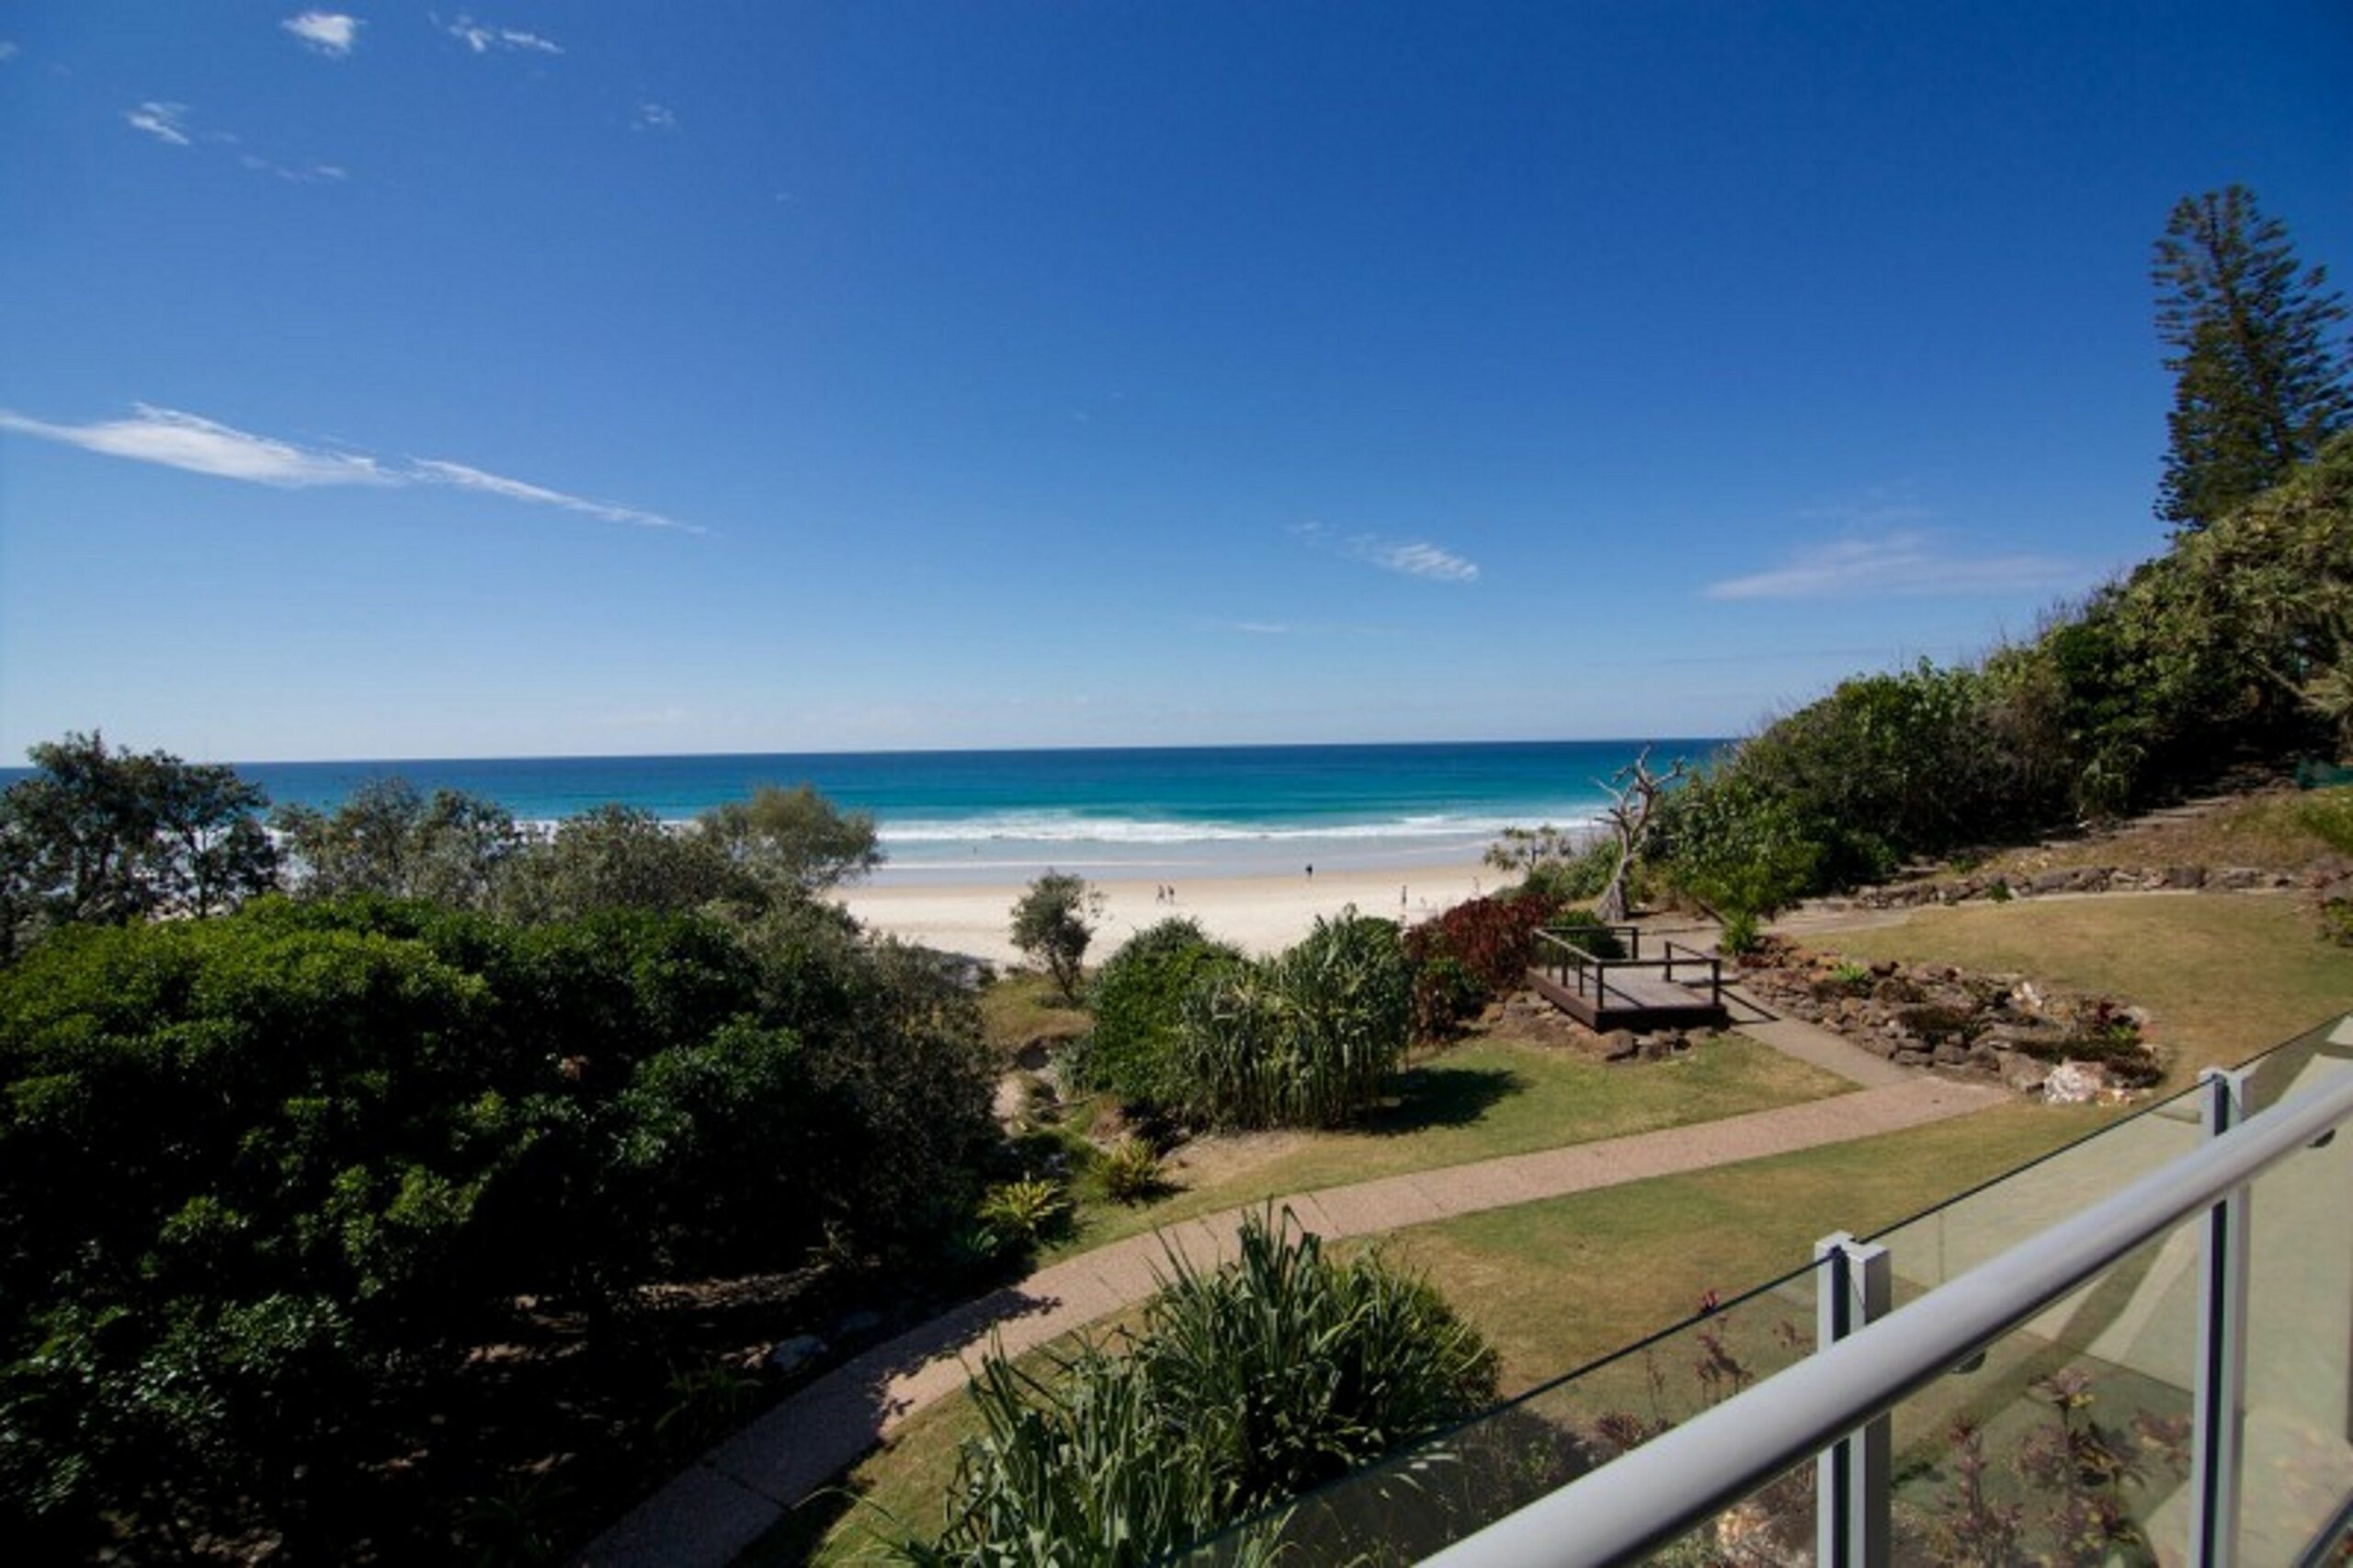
2258,384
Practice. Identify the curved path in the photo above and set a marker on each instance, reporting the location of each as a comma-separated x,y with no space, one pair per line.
716,1507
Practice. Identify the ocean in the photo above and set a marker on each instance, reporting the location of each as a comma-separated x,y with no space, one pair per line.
993,816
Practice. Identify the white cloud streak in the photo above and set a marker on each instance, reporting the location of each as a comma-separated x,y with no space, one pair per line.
1419,559
203,446
1910,563
435,472
1413,558
189,441
651,116
330,33
165,122
483,39
8,52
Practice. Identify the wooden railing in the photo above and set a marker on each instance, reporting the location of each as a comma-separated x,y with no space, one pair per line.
1571,965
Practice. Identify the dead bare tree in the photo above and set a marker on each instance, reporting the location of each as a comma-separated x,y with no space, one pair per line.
1635,791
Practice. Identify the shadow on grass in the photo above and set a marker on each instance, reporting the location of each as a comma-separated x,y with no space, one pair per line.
1431,1096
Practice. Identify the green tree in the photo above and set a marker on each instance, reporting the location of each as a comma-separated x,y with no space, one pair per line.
1053,924
103,836
793,843
388,839
620,858
2259,385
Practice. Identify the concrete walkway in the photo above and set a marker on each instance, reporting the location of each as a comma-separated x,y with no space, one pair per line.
729,1498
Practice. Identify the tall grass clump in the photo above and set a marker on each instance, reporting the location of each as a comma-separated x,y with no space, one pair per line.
1306,1040
1246,1385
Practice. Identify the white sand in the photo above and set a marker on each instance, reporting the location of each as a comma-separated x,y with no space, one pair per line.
1259,914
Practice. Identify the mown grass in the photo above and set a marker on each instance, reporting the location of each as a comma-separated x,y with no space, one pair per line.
2223,976
1558,1283
1475,1101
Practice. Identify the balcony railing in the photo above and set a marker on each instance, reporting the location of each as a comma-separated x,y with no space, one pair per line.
2138,1349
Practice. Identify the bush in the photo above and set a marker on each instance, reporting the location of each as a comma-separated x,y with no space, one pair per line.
1020,1214
1588,931
1277,1373
1308,1040
1130,1171
261,1172
1741,935
1479,949
1138,996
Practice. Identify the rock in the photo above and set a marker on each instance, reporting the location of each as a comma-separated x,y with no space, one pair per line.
2076,1083
1894,988
1914,1059
1879,1045
2184,877
795,1353
1617,1045
2050,882
2236,877
2020,1071
1952,1054
1658,1048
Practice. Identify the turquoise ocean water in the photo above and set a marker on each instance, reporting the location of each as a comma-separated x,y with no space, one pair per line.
1146,812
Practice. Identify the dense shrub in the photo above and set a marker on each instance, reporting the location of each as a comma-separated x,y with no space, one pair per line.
1475,951
266,1177
2237,642
1138,996
1307,1039
1588,931
1247,1385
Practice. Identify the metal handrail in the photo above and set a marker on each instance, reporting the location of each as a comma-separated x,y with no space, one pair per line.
1654,1493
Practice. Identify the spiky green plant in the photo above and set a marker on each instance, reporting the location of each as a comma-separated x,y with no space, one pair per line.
1245,1385
1308,1040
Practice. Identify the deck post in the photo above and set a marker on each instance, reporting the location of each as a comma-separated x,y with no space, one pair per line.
2218,1403
1854,1477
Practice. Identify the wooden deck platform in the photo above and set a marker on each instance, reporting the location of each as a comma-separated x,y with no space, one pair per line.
1679,989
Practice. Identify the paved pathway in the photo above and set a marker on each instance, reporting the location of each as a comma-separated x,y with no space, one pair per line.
726,1500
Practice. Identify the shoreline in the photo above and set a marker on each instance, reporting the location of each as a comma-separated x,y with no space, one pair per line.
1262,912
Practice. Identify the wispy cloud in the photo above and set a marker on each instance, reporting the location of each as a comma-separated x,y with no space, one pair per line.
651,116
8,52
203,446
435,472
1413,558
164,122
1261,628
189,441
308,173
1909,562
330,33
174,125
1420,559
483,39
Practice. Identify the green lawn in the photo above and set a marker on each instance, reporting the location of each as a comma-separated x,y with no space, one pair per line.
1472,1101
1557,1283
2225,975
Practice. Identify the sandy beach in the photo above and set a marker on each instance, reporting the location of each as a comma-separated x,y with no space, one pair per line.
1258,914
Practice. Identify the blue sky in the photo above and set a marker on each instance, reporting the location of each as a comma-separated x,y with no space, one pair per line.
394,380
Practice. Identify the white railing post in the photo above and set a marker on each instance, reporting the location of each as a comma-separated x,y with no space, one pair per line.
1854,1286
2218,1407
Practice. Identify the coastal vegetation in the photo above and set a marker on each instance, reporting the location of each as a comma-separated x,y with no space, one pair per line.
348,1176
1053,922
1245,1385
